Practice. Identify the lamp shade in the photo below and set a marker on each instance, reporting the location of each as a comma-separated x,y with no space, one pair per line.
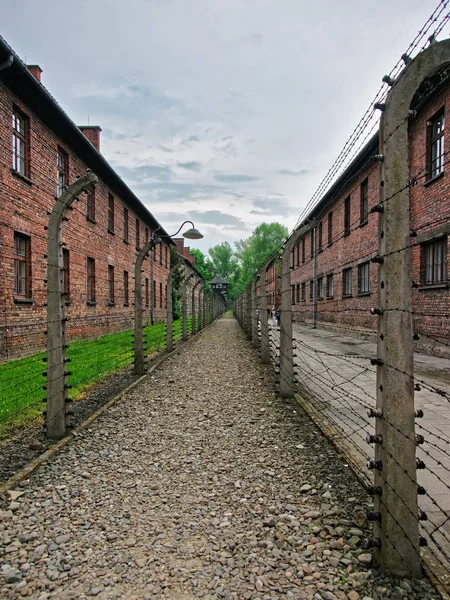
192,234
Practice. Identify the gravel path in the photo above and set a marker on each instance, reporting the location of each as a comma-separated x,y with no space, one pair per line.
201,483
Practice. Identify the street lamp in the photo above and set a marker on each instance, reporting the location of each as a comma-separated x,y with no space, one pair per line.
192,234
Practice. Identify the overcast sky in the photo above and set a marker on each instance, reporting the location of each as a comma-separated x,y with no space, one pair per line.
225,112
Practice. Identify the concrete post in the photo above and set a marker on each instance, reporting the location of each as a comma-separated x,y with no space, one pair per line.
184,308
286,350
204,308
200,306
139,360
248,310
57,385
255,338
169,318
398,529
194,325
265,344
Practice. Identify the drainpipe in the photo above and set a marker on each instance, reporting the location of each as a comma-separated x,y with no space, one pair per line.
314,315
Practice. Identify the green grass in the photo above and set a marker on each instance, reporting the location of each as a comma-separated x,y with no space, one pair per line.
21,381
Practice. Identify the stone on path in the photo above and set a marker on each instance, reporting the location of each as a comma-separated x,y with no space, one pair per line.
193,486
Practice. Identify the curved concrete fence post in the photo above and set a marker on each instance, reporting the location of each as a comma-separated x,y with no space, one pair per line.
57,418
169,317
193,310
398,507
139,362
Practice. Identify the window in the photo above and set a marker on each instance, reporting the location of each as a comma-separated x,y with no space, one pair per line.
292,294
435,146
304,291
66,275
303,250
313,231
125,225
90,280
147,292
435,262
160,294
160,254
293,258
320,288
20,142
364,202
146,235
320,236
126,289
110,213
110,284
347,282
311,289
138,236
298,293
363,278
347,215
22,265
330,290
63,171
90,205
165,303
154,293
330,227
167,260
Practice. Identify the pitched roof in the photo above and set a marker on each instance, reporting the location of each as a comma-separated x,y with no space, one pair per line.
34,95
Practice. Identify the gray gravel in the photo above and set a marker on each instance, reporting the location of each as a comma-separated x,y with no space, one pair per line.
201,483
30,441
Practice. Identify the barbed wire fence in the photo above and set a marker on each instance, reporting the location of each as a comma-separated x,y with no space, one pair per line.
67,349
382,414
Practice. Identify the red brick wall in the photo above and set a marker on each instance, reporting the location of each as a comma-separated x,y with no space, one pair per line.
24,207
344,251
430,218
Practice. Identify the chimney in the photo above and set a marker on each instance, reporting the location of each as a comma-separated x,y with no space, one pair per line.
180,245
36,71
92,132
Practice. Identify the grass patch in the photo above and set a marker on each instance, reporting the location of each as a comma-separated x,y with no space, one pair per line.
21,381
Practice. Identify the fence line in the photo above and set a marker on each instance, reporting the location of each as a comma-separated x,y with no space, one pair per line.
387,415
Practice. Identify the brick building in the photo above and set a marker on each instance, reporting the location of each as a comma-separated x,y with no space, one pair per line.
42,151
331,270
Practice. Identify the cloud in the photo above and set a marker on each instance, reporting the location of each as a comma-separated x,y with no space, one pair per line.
189,139
208,217
234,178
216,217
146,173
226,145
192,165
298,173
272,205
